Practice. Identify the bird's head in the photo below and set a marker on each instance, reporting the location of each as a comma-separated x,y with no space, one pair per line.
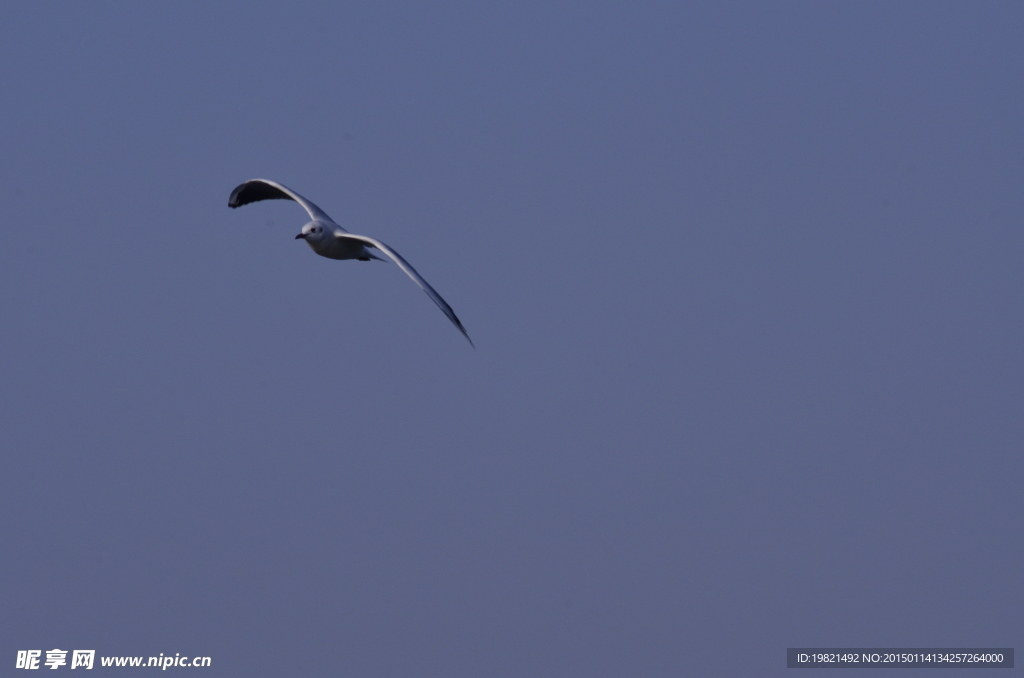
313,232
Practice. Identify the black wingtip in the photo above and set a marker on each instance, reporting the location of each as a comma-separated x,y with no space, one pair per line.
254,191
462,329
233,201
455,321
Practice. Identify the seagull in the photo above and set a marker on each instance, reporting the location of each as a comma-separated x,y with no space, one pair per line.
330,240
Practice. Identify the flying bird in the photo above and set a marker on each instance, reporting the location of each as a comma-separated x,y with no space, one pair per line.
330,240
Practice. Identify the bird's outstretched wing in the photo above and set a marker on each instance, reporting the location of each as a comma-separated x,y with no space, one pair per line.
416,277
261,189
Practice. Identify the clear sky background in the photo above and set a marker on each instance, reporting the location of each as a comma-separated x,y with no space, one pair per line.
745,282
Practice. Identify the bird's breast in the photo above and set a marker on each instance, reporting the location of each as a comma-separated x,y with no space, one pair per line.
338,248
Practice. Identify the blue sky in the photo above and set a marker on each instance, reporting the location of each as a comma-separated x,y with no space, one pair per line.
744,282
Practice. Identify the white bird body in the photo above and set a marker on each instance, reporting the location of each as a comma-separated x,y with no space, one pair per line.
330,240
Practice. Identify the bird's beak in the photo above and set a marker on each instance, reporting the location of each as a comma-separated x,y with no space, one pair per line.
300,236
